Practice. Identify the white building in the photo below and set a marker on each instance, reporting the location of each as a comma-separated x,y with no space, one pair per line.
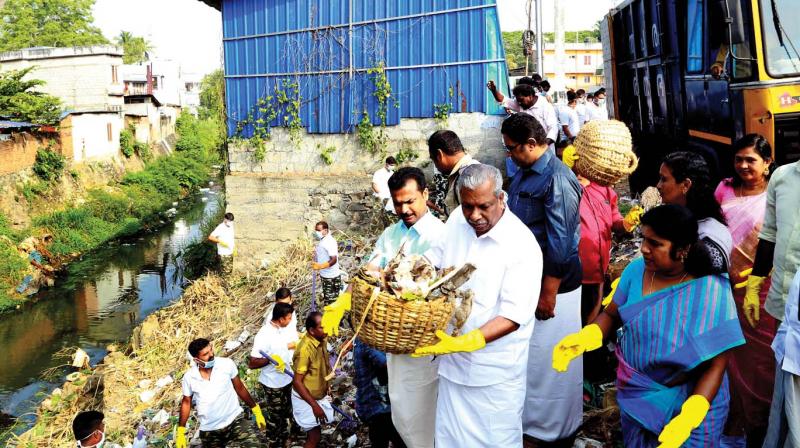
86,79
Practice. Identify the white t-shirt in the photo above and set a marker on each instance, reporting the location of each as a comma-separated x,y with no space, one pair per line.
595,112
215,399
583,113
381,179
326,249
224,233
273,341
568,116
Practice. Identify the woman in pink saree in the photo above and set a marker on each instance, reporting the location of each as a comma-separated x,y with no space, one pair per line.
743,199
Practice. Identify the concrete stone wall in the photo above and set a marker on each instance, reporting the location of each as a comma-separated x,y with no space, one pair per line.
272,211
479,133
279,199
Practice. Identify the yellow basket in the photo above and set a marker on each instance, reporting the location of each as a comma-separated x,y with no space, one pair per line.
604,151
397,326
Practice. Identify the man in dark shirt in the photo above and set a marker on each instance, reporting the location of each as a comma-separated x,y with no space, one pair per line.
545,195
372,396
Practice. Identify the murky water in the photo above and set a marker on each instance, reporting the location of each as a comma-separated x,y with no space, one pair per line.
98,301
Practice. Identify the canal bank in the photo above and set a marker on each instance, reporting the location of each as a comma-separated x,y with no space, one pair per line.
97,301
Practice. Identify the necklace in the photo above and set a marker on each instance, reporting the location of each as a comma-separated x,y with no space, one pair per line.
760,188
653,278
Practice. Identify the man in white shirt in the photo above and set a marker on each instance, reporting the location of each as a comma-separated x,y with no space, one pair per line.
380,183
597,108
580,108
222,236
413,382
215,387
568,120
283,295
278,341
527,101
327,263
784,415
482,375
449,158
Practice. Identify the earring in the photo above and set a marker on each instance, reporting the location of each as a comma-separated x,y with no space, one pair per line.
766,171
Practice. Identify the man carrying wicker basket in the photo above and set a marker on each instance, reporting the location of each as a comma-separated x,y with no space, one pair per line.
482,376
413,382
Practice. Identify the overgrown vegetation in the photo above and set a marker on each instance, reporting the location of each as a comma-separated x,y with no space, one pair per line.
19,99
48,23
441,111
126,142
201,136
12,267
370,139
326,154
49,165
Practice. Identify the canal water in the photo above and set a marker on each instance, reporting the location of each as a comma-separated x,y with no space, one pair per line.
97,302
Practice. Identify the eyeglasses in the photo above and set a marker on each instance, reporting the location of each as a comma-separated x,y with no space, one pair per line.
511,148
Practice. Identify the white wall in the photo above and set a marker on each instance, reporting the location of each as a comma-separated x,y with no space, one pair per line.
90,136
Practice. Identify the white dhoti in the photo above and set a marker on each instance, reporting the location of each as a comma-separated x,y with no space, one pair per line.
413,385
554,400
304,415
476,417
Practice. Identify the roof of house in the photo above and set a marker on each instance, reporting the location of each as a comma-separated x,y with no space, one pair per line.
7,124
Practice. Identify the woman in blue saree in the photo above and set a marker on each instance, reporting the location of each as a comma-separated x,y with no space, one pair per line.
676,320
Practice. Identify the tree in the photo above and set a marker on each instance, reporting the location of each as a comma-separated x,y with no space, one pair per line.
19,100
134,47
212,97
48,23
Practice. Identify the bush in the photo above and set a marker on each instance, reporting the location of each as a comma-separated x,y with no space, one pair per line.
49,165
112,207
126,142
143,149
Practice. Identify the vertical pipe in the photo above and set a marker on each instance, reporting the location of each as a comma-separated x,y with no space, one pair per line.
539,39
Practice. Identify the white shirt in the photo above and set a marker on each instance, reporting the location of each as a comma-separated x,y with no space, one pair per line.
381,179
215,399
582,113
787,341
414,240
224,233
326,249
542,110
595,112
506,283
567,116
273,341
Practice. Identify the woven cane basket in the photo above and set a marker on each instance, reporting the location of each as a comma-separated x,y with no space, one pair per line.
604,150
397,326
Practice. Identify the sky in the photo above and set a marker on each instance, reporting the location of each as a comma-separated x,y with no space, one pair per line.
191,32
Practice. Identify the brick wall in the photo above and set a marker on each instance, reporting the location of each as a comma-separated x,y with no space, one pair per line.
19,152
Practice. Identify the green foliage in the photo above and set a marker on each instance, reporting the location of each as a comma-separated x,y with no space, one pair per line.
48,23
407,154
283,104
19,99
32,190
212,99
200,256
200,136
370,139
126,142
49,165
326,154
134,47
143,149
441,112
12,269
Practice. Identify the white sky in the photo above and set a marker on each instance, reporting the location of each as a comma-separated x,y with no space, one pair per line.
191,32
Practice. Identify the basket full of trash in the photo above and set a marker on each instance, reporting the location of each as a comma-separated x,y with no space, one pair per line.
401,307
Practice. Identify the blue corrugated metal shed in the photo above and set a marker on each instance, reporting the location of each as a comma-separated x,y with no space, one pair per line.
430,48
6,124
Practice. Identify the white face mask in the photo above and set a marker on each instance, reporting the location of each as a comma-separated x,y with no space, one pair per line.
390,167
601,102
318,234
98,444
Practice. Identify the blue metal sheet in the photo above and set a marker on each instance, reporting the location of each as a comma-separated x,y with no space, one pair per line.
6,124
430,49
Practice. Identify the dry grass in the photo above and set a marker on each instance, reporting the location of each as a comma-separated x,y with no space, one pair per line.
210,308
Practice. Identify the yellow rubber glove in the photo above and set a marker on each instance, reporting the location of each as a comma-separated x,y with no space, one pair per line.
318,266
752,301
180,437
260,422
573,345
610,296
223,244
633,218
743,274
333,313
569,157
469,342
677,431
281,366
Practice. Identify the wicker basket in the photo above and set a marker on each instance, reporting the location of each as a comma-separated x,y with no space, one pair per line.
398,326
604,150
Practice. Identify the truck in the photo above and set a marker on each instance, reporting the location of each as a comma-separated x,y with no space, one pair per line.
697,75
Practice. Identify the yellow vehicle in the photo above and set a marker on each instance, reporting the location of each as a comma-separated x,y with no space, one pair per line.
700,74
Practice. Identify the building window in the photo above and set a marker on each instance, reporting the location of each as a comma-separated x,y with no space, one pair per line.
572,56
114,77
587,59
587,79
694,38
110,135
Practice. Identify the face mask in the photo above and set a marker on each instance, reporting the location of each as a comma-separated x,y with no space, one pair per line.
206,364
318,234
98,444
390,167
601,102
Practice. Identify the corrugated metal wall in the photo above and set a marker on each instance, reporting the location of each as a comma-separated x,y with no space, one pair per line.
430,48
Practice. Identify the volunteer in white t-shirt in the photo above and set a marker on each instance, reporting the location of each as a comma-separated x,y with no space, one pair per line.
222,236
597,108
277,340
283,295
213,384
580,108
380,184
568,122
327,263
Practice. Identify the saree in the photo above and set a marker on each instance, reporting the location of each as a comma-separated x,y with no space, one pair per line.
751,367
664,337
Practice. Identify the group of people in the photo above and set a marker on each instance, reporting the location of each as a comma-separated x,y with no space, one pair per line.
705,324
